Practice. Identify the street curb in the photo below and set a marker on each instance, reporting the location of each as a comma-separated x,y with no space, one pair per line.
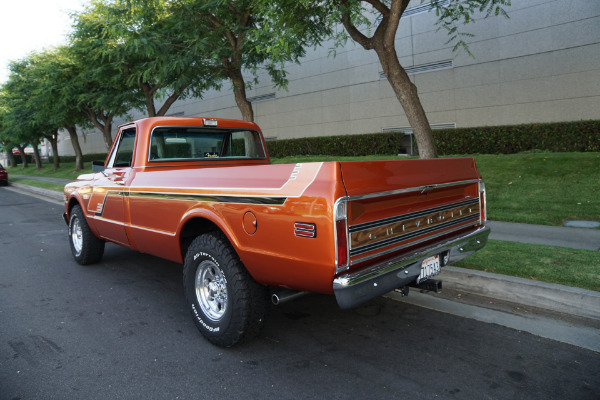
547,296
52,194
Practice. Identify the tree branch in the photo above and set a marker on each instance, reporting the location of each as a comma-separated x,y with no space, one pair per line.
393,20
169,102
378,5
354,33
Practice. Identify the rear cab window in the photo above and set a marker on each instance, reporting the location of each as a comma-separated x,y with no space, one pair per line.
195,144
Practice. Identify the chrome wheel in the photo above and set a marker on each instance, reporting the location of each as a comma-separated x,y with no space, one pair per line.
211,290
76,236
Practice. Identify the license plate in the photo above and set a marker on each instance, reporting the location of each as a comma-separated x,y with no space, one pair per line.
430,267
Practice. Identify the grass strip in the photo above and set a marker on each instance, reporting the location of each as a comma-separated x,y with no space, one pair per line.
542,188
66,171
570,267
37,183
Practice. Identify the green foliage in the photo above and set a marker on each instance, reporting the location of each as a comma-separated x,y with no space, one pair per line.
578,136
23,121
138,45
238,39
455,15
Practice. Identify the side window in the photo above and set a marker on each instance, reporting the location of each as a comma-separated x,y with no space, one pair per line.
122,156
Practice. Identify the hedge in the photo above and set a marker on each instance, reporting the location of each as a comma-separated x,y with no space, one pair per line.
346,145
19,159
578,136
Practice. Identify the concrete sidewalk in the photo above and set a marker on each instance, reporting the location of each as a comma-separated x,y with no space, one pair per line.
575,238
547,296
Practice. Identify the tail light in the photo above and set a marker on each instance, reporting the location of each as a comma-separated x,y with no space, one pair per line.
341,235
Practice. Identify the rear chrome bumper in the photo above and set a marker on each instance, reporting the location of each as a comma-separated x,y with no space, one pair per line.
354,288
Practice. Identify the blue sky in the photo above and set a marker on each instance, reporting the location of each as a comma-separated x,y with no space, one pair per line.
32,25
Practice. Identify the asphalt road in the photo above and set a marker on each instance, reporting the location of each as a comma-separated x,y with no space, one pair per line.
120,329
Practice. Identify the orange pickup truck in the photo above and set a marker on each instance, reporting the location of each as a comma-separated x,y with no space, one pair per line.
202,192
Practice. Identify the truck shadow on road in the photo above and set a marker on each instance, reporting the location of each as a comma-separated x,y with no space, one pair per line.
398,347
393,346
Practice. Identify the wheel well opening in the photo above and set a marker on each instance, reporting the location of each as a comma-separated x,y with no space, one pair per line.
72,203
193,228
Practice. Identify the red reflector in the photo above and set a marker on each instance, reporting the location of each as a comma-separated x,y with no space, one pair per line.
303,229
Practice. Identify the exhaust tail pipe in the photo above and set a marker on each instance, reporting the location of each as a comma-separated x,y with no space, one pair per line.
283,296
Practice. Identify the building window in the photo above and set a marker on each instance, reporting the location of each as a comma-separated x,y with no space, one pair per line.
264,97
420,69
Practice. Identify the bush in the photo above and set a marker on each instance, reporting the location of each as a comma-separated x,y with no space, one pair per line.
555,137
579,136
346,145
19,158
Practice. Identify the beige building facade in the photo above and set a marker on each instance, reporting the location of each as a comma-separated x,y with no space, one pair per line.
540,65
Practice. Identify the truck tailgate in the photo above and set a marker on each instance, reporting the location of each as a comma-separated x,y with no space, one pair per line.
401,206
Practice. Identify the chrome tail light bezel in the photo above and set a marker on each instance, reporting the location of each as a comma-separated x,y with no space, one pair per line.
483,202
340,222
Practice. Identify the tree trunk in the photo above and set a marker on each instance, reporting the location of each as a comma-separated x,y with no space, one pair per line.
149,97
54,144
36,156
406,93
383,42
76,147
22,154
103,123
239,91
11,158
107,134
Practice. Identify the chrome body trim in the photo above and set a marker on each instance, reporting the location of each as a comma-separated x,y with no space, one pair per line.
403,217
405,245
336,208
354,288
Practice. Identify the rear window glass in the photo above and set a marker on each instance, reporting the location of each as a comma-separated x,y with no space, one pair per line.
174,144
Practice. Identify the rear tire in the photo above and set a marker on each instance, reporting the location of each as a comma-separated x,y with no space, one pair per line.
85,246
227,305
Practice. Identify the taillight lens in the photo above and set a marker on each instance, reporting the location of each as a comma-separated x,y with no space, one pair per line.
341,235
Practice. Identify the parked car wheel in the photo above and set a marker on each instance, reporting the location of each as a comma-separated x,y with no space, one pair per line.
85,246
227,305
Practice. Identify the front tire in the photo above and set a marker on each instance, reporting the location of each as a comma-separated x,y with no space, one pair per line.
85,246
227,305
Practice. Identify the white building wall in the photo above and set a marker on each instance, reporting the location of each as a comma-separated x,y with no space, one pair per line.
541,65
